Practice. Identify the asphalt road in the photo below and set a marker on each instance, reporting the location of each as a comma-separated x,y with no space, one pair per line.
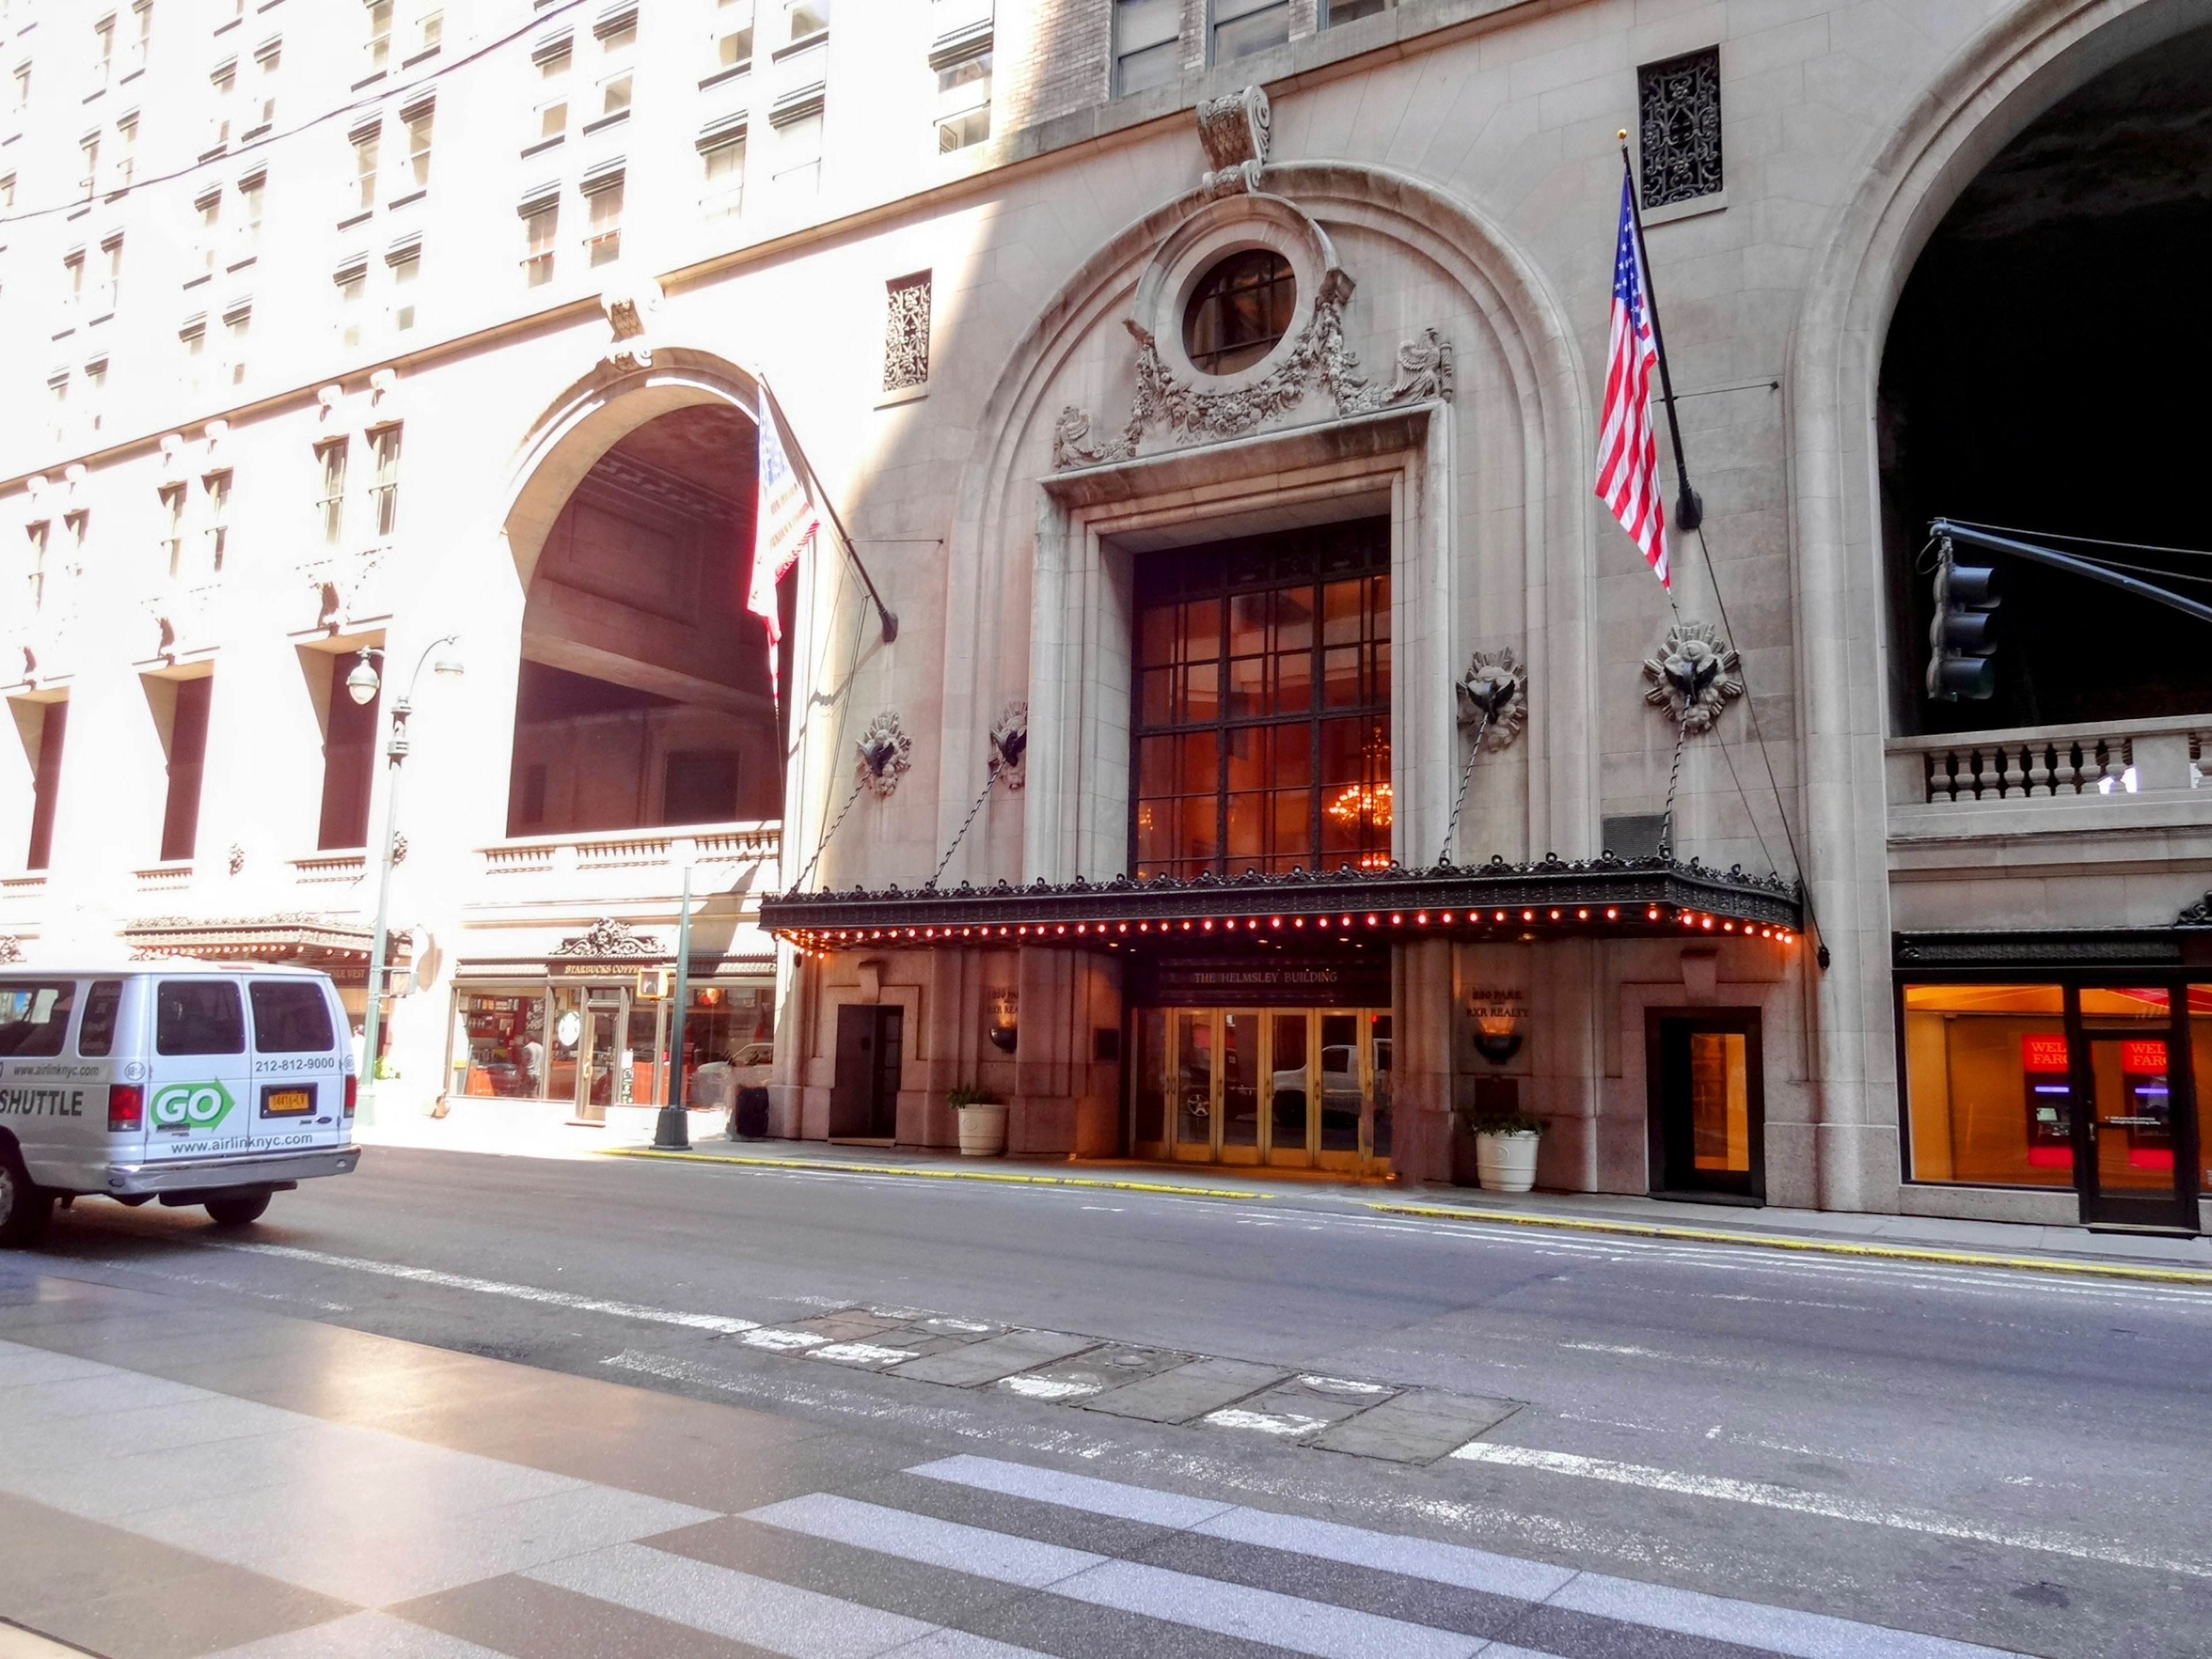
2008,1458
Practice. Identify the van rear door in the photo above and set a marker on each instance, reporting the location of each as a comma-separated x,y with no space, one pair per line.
46,1101
299,1078
199,1095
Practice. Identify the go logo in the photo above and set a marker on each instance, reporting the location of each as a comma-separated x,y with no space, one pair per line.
191,1106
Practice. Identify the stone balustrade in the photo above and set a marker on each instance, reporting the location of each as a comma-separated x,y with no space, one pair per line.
171,876
2120,757
633,864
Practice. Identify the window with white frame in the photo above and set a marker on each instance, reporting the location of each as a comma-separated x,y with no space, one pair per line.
797,169
215,506
222,88
1334,12
7,190
58,391
377,45
36,534
420,119
207,236
963,92
170,549
76,530
616,27
551,59
72,284
251,190
237,327
142,36
109,288
403,264
613,98
429,34
733,35
722,166
603,197
351,281
103,50
1147,42
366,142
122,164
384,486
541,232
192,336
87,151
95,391
330,496
1241,27
20,99
804,19
260,113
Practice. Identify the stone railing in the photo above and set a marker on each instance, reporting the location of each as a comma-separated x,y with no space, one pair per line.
2055,762
630,864
329,869
171,876
23,892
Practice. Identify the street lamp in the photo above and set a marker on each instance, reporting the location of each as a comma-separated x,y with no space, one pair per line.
362,685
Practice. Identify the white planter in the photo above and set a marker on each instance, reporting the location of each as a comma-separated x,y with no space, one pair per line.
1507,1163
983,1131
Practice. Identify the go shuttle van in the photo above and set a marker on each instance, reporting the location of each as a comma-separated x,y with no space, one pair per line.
190,1083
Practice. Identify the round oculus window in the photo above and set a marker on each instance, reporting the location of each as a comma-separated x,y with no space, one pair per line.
1239,311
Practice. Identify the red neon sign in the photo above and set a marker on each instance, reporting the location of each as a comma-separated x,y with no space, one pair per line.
2143,1056
2044,1054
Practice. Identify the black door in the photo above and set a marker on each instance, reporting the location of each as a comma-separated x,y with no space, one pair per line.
864,1091
1707,1105
2134,1125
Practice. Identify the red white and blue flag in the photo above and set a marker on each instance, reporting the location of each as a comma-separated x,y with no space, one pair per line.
784,521
1628,445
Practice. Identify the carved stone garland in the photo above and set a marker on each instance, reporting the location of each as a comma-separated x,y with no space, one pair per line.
1694,676
608,937
884,755
1319,357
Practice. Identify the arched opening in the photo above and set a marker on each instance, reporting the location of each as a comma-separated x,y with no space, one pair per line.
644,698
2042,371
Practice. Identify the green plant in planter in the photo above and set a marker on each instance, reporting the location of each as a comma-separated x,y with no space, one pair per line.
969,1095
1505,1123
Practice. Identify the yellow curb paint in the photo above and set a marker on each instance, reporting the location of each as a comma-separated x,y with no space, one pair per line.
1815,1246
836,1168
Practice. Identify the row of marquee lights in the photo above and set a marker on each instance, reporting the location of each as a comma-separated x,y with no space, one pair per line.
822,943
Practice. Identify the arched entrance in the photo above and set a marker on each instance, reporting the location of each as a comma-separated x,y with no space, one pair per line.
644,698
2041,371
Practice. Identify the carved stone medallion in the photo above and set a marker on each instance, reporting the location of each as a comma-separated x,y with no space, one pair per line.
1496,687
1694,676
883,751
1009,746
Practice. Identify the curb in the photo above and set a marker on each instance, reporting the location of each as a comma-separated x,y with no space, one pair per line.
835,1167
1810,1246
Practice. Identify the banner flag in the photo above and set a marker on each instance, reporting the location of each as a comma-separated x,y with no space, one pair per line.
784,522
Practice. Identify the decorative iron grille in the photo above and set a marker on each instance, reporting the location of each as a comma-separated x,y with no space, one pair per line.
906,332
1679,103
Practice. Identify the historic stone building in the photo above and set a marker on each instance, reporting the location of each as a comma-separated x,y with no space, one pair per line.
1279,748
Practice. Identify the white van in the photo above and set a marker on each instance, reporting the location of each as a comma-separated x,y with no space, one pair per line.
189,1083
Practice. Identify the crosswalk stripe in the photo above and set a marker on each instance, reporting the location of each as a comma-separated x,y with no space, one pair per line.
1074,1491
1748,1624
1180,1598
800,1623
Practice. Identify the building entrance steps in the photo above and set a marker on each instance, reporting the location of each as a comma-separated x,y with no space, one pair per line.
1934,1240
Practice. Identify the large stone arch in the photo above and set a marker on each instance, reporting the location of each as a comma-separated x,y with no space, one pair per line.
590,415
1528,338
1993,88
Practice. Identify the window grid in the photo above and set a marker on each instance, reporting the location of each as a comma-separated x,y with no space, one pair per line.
383,491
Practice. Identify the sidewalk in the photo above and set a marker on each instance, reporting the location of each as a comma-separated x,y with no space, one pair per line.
1913,1237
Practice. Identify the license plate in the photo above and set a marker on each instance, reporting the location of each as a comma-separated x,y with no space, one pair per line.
289,1102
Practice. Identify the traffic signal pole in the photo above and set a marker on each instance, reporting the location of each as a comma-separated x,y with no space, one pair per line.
2057,561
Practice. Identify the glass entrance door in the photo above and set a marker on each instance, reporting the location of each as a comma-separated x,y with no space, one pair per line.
2134,1145
1706,1111
1304,1088
603,1072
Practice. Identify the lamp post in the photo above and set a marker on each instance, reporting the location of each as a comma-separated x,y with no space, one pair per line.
362,685
671,1130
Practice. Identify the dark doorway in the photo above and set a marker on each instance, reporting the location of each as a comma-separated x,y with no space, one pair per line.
2134,1124
1707,1110
864,1091
2041,373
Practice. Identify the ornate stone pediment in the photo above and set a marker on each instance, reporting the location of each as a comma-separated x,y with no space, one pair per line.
608,937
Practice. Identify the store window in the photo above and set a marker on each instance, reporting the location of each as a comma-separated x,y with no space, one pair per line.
2200,1046
1988,1085
499,1037
729,1032
1263,705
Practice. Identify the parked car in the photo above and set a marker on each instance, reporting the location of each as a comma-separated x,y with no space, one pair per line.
189,1084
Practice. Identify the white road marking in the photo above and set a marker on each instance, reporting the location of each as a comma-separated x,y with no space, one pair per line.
1286,1424
1047,1388
718,1322
1766,1496
861,1353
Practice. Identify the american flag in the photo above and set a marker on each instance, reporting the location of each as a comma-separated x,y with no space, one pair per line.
783,521
1627,447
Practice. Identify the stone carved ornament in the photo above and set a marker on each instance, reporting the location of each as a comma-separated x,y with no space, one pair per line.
884,755
1694,676
1235,130
631,312
608,937
1496,685
11,948
1009,746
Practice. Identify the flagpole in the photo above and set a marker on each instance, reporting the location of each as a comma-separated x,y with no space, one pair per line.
890,617
1689,509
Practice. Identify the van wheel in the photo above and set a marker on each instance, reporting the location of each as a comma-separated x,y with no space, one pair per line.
237,1212
25,1209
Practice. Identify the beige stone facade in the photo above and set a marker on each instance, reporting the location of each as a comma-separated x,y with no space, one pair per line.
1441,179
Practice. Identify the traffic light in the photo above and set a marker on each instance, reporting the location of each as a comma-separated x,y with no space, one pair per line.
1962,639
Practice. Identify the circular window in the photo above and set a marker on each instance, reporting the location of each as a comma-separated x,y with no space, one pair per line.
1242,307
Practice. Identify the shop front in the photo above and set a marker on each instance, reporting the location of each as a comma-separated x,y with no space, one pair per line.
2092,1083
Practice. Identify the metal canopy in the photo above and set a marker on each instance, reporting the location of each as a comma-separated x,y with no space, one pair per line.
1604,897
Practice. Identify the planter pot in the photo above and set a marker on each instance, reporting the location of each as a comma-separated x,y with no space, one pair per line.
983,1131
1508,1162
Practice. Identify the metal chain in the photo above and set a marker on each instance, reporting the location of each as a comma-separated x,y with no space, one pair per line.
1673,776
987,781
1466,776
858,784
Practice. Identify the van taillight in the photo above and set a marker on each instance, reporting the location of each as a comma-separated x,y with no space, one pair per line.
126,1107
353,1084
